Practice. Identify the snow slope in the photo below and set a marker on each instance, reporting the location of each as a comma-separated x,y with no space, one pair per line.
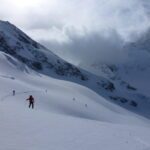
61,120
17,45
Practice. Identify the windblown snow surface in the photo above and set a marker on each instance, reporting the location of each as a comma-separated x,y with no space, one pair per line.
67,116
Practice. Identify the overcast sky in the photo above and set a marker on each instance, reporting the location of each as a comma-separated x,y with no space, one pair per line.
79,29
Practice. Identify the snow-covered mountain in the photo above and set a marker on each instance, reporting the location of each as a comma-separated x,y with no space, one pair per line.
14,42
66,115
17,45
138,67
77,115
134,73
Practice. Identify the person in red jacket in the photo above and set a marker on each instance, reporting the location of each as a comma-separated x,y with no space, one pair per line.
31,101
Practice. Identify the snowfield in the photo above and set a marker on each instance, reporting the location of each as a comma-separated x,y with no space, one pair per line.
67,116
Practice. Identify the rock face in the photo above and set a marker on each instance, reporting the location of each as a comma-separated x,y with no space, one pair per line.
16,44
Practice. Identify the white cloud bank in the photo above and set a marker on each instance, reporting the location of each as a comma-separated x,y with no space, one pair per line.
79,29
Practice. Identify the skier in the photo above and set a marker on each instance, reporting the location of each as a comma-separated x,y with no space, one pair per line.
14,92
31,101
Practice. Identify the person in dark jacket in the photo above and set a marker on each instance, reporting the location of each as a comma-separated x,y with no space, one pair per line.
14,92
31,101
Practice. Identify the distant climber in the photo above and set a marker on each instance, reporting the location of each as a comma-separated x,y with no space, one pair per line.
31,101
86,105
14,92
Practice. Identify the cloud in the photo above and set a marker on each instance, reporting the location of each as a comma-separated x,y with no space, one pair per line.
80,30
94,15
90,48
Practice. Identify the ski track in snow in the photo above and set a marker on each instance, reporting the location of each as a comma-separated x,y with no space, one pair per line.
60,120
17,93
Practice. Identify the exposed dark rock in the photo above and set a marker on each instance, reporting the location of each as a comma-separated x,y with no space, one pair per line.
107,85
114,98
113,68
121,99
23,39
84,78
37,65
133,103
131,87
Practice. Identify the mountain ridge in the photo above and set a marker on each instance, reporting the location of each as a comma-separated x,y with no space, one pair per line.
18,45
